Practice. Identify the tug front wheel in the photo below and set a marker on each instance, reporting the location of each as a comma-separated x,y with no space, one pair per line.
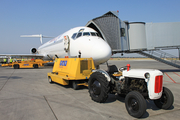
50,80
135,104
166,100
98,87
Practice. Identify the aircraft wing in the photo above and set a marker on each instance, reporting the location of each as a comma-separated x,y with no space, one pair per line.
23,55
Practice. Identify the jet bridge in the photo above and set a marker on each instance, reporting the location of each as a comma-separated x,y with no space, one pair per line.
129,37
108,28
121,35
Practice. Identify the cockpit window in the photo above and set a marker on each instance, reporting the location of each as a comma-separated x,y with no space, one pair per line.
98,34
93,33
81,30
79,34
74,35
86,34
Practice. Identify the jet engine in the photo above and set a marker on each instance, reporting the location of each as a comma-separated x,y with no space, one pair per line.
33,51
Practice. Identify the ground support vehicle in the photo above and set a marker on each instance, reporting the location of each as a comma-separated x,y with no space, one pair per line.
135,85
27,64
71,71
7,65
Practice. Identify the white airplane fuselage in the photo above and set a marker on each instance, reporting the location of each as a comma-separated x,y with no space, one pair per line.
82,41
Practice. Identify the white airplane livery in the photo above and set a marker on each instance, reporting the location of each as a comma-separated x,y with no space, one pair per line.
81,42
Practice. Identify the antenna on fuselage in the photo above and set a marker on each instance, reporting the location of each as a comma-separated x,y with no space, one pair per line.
36,36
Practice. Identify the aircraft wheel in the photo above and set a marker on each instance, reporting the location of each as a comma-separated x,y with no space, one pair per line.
98,87
166,100
135,104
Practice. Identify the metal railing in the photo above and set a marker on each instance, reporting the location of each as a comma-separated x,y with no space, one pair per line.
165,56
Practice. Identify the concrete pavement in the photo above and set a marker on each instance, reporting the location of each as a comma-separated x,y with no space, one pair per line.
26,94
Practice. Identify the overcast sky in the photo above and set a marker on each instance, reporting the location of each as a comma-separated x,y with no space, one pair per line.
53,17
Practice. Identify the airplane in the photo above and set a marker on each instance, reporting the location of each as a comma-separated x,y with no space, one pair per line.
81,42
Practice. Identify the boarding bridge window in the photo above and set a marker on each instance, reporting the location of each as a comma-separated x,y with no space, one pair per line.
79,34
93,34
74,36
123,32
86,34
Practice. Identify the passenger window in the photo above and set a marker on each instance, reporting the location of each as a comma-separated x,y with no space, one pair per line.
74,35
79,34
93,34
86,34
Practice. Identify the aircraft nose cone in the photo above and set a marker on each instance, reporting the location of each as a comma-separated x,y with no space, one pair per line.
101,52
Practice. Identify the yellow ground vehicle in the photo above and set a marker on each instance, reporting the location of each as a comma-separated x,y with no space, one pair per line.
71,70
27,64
7,65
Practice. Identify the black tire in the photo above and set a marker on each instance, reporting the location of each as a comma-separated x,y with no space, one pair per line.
166,100
16,66
135,104
50,80
98,87
35,65
74,85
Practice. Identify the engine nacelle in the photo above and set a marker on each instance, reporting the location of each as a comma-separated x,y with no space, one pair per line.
33,51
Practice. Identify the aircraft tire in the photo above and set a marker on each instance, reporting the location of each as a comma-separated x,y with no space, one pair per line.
98,87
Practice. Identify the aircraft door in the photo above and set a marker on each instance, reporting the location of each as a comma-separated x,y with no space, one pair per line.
66,43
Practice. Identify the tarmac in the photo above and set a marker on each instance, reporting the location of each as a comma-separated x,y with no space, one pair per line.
25,94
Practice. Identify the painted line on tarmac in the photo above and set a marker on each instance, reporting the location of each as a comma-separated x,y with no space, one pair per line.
170,77
7,80
50,108
176,74
171,82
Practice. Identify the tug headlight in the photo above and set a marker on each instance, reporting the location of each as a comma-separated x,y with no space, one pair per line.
147,75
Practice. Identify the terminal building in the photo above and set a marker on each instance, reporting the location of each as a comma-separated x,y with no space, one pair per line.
148,39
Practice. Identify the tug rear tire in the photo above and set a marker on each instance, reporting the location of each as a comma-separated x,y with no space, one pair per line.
98,87
135,104
166,100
